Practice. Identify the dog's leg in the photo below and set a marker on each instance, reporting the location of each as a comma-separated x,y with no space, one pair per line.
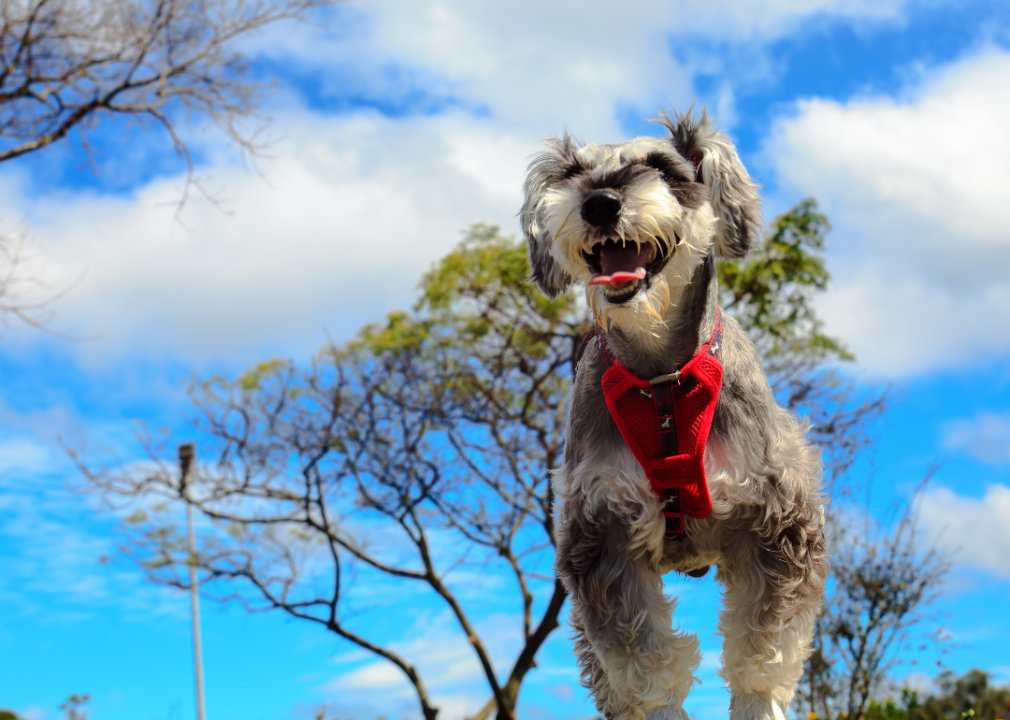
773,571
631,658
591,671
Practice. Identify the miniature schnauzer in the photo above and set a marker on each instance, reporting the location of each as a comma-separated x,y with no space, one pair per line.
677,456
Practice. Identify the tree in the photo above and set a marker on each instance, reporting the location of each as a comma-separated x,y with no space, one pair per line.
70,65
447,420
66,64
882,582
18,285
969,697
443,422
771,293
73,706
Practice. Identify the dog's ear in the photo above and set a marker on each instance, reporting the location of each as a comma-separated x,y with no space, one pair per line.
735,198
544,269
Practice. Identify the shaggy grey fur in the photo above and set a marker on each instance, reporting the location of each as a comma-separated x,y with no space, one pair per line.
765,532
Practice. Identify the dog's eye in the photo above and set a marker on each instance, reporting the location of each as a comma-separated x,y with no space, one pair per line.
574,169
665,166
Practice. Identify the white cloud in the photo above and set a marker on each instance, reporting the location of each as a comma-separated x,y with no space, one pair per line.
916,189
354,207
975,530
571,62
378,675
352,210
448,665
24,456
543,65
562,691
987,437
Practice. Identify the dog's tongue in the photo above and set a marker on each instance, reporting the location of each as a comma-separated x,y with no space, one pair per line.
621,263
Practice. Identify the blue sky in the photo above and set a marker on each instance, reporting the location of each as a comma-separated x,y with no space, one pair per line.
397,124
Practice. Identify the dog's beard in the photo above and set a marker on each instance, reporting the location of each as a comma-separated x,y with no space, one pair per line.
645,314
646,307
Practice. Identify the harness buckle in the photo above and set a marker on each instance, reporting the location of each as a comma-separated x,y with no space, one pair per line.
659,379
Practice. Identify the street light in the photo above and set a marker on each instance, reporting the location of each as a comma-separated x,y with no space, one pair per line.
187,451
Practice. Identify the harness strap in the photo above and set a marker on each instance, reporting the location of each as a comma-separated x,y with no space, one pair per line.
666,421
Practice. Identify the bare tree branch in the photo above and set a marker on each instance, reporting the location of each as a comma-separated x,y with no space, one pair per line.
883,583
71,64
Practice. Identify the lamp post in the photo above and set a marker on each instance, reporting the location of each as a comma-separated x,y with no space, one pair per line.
187,451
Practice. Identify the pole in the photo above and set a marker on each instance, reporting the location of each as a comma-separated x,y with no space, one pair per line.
186,453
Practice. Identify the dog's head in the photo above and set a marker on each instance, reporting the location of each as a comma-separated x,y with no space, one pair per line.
634,220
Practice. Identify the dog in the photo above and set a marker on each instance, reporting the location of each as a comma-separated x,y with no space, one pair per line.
735,484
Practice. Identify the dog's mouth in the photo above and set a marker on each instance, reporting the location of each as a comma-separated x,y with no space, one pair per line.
624,268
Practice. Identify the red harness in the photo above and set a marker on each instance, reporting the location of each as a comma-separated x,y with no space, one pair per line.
665,421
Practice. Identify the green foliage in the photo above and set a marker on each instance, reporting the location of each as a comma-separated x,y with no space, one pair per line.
254,378
484,335
471,297
771,290
969,697
890,710
483,266
74,706
137,517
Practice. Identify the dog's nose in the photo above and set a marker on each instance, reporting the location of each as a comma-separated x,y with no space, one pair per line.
601,208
